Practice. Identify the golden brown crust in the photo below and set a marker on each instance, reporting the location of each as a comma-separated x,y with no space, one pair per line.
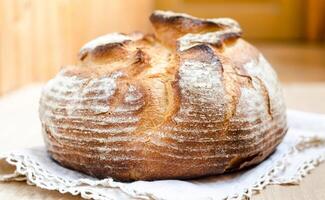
171,26
192,100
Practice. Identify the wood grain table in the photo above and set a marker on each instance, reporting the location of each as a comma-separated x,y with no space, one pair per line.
307,97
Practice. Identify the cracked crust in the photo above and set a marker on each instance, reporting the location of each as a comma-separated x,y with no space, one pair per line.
192,100
170,26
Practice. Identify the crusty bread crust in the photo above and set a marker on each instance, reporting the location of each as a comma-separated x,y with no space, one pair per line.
192,100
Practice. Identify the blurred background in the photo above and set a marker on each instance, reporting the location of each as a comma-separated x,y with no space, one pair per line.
37,37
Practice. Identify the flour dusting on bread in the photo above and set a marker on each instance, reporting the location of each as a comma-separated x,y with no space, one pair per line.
106,39
192,100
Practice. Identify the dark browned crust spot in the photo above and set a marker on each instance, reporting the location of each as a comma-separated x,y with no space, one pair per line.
140,63
201,52
168,28
227,36
185,24
107,50
104,53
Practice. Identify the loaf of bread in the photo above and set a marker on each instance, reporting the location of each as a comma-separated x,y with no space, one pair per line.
193,99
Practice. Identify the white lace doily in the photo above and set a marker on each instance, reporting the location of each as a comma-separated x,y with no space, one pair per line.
301,150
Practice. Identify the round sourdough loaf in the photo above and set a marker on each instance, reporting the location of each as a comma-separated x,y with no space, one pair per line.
191,100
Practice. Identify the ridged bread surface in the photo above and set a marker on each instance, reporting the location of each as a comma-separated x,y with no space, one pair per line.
192,100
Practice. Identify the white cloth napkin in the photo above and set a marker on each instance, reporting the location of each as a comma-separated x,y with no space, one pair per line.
302,149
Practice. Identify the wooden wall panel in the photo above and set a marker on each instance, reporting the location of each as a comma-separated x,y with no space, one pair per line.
260,19
316,20
37,37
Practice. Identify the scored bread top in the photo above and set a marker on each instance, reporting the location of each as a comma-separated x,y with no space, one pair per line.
193,99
